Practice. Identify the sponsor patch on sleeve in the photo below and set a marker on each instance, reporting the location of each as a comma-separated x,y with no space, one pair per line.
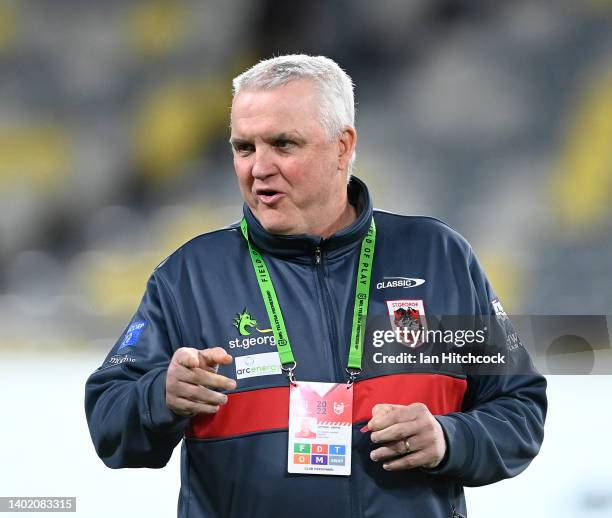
132,334
499,310
512,339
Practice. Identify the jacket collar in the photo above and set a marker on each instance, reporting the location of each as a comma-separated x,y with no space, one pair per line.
302,247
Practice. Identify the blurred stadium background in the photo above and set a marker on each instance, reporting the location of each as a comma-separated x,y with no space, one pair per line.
495,117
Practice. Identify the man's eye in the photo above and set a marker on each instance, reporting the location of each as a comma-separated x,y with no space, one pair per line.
283,144
244,149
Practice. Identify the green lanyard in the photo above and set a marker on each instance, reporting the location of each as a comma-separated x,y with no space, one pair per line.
360,311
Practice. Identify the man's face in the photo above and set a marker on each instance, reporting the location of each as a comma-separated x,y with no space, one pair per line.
289,170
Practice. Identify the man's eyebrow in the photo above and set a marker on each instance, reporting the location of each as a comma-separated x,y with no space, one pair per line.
270,139
234,141
285,135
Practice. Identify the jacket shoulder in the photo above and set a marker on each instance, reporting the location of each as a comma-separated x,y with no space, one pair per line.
216,242
423,229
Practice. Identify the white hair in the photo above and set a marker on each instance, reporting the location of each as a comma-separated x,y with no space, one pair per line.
335,87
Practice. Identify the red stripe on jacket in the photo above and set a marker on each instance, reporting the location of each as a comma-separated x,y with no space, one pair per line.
268,409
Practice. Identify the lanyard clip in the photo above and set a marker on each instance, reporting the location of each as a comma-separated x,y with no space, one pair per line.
289,372
353,373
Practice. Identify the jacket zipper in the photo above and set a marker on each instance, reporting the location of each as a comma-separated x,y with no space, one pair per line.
331,322
328,305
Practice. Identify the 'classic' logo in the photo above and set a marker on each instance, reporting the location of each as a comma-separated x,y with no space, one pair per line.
399,282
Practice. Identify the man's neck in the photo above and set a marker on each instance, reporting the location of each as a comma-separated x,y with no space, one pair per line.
346,218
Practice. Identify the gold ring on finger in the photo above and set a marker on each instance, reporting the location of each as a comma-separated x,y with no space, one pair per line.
407,446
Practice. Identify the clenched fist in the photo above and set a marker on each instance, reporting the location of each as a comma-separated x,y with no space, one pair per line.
409,437
192,375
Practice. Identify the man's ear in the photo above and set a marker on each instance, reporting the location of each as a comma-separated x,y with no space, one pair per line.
346,147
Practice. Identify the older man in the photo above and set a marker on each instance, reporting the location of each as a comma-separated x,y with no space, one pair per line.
246,332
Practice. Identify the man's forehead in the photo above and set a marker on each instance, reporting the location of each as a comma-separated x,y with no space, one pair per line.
273,113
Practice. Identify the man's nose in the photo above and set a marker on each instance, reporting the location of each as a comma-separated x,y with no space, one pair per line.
264,163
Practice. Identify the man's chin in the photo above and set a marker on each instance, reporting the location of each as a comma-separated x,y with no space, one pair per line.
275,223
279,229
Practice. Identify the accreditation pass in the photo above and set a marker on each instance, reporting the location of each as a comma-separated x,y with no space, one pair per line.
320,427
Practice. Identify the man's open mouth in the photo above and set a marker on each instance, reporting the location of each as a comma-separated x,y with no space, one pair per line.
268,196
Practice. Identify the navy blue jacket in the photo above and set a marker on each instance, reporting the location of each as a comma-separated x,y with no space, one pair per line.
234,463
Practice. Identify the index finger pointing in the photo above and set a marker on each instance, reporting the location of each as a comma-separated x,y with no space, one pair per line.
209,359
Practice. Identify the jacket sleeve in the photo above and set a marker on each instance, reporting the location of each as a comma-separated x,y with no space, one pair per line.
501,426
125,404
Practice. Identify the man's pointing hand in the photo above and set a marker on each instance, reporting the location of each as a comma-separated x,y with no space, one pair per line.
192,376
